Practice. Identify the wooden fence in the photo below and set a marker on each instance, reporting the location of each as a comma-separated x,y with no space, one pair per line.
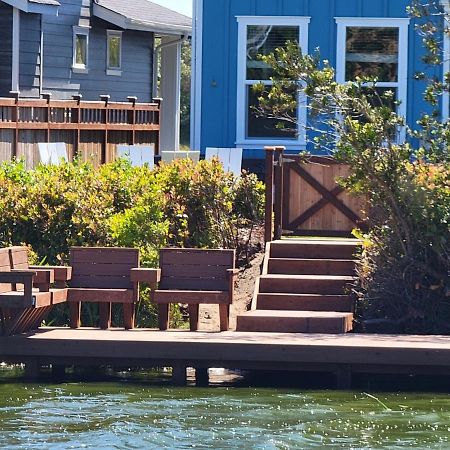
304,199
91,130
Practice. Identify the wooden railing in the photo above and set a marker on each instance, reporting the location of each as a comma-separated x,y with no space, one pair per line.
91,130
303,198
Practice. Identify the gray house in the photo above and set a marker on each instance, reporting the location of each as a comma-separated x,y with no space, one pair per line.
93,48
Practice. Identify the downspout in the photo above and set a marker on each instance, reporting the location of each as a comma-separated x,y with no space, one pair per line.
156,53
41,56
15,66
446,60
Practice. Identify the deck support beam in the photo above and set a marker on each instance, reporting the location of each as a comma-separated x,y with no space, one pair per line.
201,376
179,377
32,369
344,377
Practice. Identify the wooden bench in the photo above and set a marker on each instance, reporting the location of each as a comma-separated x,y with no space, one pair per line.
193,277
103,275
26,295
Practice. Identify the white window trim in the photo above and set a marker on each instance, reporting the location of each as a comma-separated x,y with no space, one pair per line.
80,68
402,84
241,112
115,71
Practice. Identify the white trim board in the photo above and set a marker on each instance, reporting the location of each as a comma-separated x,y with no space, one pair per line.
197,75
383,22
15,66
242,82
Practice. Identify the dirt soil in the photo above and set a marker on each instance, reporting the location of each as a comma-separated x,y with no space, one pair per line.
243,293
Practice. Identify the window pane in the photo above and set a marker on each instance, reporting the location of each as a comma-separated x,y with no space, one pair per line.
81,49
263,40
260,127
114,52
372,52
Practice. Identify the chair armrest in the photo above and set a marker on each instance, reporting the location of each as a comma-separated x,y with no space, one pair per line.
145,275
43,275
232,272
62,273
17,276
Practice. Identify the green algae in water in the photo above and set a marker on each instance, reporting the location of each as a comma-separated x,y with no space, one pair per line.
137,416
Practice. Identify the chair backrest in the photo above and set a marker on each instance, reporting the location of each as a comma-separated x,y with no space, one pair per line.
195,269
168,156
138,155
5,266
52,152
102,267
231,158
19,258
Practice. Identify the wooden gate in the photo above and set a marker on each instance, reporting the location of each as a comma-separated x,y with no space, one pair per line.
304,199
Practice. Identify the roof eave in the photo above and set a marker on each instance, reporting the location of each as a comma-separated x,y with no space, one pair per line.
125,23
37,8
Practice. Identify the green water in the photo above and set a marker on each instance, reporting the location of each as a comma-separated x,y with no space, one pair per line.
133,415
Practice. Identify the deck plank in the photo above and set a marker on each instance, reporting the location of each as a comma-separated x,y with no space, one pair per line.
285,351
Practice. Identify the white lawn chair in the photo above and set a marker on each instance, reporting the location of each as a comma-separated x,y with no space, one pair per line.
168,156
52,152
231,158
138,155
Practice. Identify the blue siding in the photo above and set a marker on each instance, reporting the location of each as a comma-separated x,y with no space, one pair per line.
5,49
219,73
137,54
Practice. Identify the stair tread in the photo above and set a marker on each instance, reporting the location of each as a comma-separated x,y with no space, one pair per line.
305,295
275,313
341,242
312,260
280,276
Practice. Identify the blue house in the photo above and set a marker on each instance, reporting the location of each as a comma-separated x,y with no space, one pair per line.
93,48
356,36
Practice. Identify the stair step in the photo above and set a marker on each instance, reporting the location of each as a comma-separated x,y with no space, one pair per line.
305,302
295,322
314,248
304,284
296,266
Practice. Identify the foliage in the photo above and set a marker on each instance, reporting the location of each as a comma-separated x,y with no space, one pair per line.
185,100
404,272
53,208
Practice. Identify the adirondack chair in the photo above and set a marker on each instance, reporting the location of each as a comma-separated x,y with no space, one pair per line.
138,155
52,152
168,156
195,276
105,276
26,295
231,158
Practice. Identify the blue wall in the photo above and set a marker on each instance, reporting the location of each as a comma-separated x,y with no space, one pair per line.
220,34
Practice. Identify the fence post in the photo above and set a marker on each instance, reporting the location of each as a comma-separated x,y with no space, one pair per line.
279,189
268,218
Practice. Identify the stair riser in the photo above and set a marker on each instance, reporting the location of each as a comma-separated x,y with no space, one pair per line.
293,325
292,303
324,251
311,267
292,286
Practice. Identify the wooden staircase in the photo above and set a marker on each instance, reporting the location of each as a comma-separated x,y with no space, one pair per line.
304,288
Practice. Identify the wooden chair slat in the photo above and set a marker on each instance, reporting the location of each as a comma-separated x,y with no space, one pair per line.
198,284
100,281
196,256
102,254
195,271
102,269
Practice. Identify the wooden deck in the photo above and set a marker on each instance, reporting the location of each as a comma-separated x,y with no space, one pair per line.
340,354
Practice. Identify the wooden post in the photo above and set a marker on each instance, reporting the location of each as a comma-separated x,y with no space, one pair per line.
268,227
16,117
278,183
179,375
344,377
32,369
132,118
76,150
58,372
201,376
158,101
48,96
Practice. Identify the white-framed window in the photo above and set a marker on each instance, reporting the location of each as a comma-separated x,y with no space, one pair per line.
375,48
261,35
80,49
114,52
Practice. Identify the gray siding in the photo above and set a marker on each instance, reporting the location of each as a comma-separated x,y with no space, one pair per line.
5,49
58,77
30,54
